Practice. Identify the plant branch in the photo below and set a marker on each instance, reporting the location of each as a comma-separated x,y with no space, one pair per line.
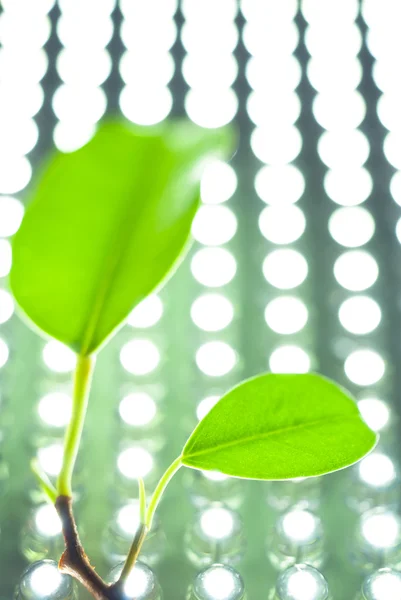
82,381
161,486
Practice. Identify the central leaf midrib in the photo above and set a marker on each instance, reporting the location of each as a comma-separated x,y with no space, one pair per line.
261,436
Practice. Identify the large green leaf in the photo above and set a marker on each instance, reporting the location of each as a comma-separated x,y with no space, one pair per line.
280,427
106,225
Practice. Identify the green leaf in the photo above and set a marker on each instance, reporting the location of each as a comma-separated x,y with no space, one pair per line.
106,225
280,427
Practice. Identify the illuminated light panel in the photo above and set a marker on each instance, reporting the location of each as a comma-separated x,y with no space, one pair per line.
360,315
375,413
147,313
377,470
301,582
225,10
211,108
267,39
348,187
334,13
158,68
285,268
255,10
135,462
321,41
343,149
284,71
364,367
333,73
276,146
140,357
218,182
83,69
87,101
282,184
217,523
5,257
73,32
267,109
209,72
45,581
55,409
383,584
11,213
216,358
6,306
213,267
47,521
28,67
18,31
282,224
339,110
212,312
356,270
50,459
392,148
58,357
300,526
206,406
286,315
395,187
137,409
381,528
351,226
69,136
4,353
289,359
20,99
214,225
15,173
146,106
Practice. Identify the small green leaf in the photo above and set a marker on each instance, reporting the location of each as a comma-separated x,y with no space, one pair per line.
106,225
280,427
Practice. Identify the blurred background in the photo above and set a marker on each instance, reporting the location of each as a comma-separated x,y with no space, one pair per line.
295,267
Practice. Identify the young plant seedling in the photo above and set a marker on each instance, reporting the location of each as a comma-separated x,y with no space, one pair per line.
106,226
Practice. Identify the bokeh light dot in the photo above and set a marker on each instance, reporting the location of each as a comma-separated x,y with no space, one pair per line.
4,353
58,357
6,306
140,357
348,186
212,312
276,146
218,182
213,267
282,184
285,268
11,213
216,358
211,108
356,270
146,106
364,367
339,149
359,315
147,313
214,225
286,315
351,226
282,224
289,359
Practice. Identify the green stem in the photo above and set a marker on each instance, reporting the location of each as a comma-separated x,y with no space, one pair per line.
161,486
82,381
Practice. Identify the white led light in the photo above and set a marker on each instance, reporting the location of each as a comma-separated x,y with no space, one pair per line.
99,8
146,106
137,409
221,39
374,412
18,136
47,521
211,108
73,31
286,315
6,306
55,409
340,12
276,145
364,367
209,71
214,225
135,35
214,475
211,312
255,10
11,213
282,184
69,136
384,584
383,74
356,270
360,314
206,406
128,518
16,171
45,580
377,470
140,357
225,10
213,267
218,182
398,230
51,458
40,7
267,109
5,257
387,110
339,110
90,68
299,526
395,187
4,353
285,269
282,224
139,583
135,462
381,528
31,32
348,186
320,41
217,523
216,359
352,226
265,39
285,71
58,357
343,149
29,67
147,313
89,102
301,582
157,69
333,73
20,99
220,583
289,359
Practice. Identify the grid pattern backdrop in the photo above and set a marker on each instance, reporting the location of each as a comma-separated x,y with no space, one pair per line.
295,267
